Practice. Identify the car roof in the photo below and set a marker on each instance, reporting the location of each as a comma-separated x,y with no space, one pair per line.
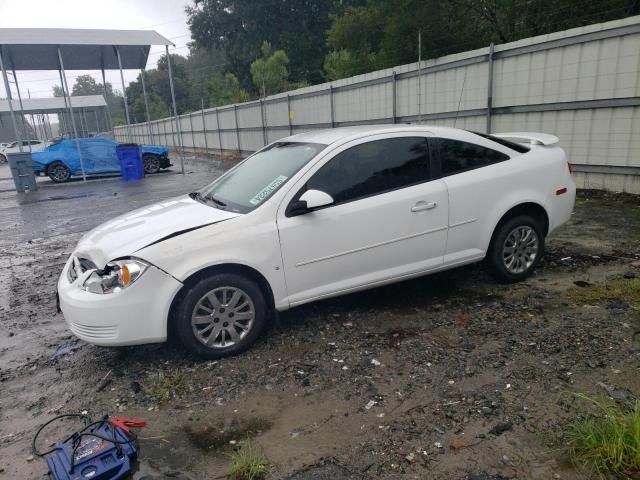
340,134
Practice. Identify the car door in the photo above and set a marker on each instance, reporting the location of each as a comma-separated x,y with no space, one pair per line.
388,219
475,179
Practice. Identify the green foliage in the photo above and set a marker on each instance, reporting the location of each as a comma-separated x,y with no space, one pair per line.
381,34
608,442
270,73
225,89
248,463
239,27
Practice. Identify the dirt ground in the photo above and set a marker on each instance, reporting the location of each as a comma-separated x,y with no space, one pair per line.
451,376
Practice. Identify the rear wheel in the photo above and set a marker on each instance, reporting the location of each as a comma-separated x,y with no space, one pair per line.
58,172
221,315
151,163
516,248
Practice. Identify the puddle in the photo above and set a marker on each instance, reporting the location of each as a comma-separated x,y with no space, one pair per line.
183,446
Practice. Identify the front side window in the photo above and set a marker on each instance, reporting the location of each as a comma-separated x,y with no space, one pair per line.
373,168
258,177
456,156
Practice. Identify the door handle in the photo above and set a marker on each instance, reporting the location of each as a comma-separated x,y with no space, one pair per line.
421,206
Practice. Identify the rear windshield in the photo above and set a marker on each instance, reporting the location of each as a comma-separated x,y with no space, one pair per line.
505,143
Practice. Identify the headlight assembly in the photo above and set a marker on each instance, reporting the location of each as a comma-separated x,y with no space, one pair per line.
116,276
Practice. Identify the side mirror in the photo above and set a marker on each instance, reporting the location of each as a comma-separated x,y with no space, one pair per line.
316,198
309,200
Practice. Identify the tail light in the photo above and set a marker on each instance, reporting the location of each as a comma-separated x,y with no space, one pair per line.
569,167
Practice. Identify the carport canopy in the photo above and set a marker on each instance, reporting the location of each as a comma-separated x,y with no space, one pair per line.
82,49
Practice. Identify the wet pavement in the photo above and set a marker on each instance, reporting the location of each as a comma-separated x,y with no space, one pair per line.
450,376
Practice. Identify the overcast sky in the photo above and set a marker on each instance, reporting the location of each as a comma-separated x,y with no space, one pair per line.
166,17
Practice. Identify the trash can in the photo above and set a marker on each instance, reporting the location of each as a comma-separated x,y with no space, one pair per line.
130,158
24,177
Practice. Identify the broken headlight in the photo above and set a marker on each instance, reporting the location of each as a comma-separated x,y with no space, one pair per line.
116,276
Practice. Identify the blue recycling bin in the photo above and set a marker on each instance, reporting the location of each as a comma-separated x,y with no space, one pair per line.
130,158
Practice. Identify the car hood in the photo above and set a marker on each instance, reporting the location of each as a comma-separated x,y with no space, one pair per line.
125,235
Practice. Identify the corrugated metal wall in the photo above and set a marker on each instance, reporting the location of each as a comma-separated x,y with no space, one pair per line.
581,84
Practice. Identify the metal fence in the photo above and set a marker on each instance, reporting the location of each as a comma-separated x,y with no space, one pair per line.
581,84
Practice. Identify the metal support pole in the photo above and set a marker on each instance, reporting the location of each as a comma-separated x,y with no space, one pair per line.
219,132
124,94
490,88
333,118
394,97
204,128
65,91
106,99
24,120
264,128
175,109
95,114
235,116
289,114
146,104
8,91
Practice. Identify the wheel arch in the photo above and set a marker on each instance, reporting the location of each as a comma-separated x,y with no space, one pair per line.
237,268
532,209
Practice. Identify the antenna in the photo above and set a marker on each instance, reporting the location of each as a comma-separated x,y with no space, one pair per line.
420,76
464,80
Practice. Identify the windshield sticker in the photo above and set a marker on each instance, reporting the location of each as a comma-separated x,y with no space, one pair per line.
268,190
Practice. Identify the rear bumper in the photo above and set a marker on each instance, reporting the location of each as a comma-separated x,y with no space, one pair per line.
132,316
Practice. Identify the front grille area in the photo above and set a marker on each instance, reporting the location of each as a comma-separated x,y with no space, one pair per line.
90,331
78,267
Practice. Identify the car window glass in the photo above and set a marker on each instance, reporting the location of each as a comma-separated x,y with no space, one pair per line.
374,167
456,156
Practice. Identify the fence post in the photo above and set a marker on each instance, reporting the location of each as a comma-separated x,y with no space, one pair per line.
219,132
264,129
204,128
193,134
394,106
490,88
333,118
235,116
289,114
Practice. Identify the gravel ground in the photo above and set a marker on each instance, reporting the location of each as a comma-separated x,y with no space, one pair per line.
450,376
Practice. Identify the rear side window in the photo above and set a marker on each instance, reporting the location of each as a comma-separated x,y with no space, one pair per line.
373,168
456,156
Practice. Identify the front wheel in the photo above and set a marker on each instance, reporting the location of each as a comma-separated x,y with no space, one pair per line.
58,172
516,249
151,163
221,315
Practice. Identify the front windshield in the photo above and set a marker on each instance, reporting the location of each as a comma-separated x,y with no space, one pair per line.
259,176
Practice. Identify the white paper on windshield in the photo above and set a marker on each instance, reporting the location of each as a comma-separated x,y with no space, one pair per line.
266,191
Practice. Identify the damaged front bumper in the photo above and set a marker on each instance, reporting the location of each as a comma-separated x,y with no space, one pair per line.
135,315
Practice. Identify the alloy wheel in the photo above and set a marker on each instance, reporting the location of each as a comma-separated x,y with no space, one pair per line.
520,249
222,317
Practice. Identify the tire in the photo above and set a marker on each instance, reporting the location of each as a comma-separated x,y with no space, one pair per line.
206,329
3,159
151,163
58,172
516,248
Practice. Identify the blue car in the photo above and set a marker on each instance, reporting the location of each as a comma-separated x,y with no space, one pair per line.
60,161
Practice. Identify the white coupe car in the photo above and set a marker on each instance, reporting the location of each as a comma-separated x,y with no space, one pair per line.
312,216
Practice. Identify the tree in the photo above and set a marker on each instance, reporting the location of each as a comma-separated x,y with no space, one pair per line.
225,89
86,85
270,73
239,27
